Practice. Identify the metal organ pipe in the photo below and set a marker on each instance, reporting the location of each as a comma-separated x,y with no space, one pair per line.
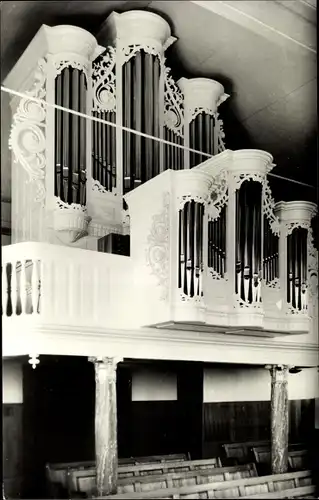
70,137
190,248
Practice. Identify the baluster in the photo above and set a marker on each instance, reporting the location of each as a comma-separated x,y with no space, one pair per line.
14,290
34,287
4,288
23,286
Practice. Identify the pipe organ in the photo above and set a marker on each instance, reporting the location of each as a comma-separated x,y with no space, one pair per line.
220,253
208,245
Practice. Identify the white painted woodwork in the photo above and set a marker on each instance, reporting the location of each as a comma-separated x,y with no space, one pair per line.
64,288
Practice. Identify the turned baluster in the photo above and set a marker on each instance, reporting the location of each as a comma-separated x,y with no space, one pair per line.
14,292
4,284
34,286
23,287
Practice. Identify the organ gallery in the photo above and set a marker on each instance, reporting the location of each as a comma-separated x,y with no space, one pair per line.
137,230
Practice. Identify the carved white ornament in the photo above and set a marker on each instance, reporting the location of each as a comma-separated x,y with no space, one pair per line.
34,360
268,208
254,176
173,105
157,253
103,82
27,137
73,206
219,195
312,264
129,51
97,186
81,65
220,133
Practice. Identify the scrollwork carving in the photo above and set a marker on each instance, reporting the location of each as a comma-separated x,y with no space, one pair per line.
268,208
157,253
73,206
220,133
27,138
129,51
252,176
60,65
219,195
103,81
173,104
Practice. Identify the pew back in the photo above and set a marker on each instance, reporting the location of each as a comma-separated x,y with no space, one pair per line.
297,460
229,489
301,492
57,473
241,451
84,481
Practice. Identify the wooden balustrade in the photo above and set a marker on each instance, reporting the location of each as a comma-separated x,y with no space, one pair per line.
55,284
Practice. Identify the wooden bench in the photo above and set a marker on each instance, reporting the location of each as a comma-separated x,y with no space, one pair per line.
297,460
84,481
58,473
241,452
229,489
301,492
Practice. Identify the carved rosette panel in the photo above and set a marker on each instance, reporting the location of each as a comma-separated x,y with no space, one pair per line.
103,82
27,138
173,105
157,253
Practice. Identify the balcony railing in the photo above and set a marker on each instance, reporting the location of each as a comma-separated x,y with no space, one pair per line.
52,285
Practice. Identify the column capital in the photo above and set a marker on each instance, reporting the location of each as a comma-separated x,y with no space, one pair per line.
104,360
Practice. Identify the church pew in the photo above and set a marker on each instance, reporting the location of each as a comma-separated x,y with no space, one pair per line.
228,489
241,452
301,492
84,481
57,473
297,460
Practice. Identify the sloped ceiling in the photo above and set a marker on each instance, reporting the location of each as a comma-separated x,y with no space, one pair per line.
268,66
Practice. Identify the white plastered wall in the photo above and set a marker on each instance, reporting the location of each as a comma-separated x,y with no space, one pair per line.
153,385
12,391
253,384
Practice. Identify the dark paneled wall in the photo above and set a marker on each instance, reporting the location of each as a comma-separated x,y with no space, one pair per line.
250,421
154,428
12,450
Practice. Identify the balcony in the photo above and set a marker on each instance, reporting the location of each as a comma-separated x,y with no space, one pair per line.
50,286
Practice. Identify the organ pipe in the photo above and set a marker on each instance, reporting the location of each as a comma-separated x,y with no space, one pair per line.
138,116
190,248
248,236
70,137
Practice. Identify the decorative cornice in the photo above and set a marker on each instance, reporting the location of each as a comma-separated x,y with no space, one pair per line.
158,343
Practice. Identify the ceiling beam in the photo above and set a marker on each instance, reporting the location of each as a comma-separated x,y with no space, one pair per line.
274,20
